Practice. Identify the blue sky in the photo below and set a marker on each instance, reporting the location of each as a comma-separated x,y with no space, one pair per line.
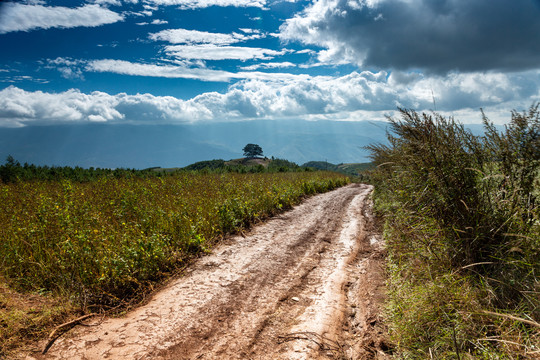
185,61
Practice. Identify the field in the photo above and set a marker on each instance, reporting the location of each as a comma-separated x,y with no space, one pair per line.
81,247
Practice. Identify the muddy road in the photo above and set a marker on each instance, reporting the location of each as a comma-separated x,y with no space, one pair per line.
306,284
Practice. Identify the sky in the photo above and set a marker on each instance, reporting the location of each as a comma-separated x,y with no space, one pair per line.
181,62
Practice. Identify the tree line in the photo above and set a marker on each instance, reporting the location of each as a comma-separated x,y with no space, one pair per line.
13,171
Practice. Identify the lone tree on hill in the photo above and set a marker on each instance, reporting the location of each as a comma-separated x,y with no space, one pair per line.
252,150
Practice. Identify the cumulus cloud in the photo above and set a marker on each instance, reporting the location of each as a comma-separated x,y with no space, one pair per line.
351,97
69,68
214,52
435,36
23,17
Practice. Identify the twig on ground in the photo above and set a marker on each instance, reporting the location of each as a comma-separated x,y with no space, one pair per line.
66,326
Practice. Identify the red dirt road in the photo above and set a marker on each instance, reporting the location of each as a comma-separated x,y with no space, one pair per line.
304,285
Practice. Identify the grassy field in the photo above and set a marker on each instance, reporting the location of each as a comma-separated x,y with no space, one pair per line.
462,227
70,247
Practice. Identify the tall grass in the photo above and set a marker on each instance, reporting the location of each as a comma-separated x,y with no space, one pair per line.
462,228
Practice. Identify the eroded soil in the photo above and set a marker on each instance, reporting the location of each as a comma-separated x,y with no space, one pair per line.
305,285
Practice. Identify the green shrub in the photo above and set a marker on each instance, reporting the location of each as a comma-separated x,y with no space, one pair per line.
462,231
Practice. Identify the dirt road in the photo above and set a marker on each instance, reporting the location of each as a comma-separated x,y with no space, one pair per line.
304,285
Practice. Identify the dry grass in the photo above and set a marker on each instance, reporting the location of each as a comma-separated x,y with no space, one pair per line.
463,235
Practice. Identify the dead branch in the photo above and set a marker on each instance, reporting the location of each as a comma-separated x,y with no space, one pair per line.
55,334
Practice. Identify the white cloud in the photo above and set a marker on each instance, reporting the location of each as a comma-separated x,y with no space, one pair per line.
213,52
23,78
144,13
183,36
20,17
21,107
182,71
152,70
154,22
197,4
275,65
65,61
108,2
69,68
250,31
270,96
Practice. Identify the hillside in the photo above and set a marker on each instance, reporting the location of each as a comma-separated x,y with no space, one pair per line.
245,164
352,169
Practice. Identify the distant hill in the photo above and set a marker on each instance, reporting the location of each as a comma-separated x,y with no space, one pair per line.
352,169
251,164
208,164
243,164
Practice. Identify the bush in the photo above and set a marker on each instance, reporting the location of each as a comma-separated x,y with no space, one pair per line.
461,215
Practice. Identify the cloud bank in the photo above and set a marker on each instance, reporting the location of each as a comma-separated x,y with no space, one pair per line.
436,36
356,96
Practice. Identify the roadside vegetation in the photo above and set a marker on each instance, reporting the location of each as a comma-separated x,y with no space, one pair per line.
462,228
71,247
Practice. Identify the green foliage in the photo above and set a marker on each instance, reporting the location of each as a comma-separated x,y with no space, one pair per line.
462,227
354,169
13,171
244,166
252,150
282,165
102,241
208,164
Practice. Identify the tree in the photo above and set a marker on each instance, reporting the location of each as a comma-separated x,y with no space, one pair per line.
252,150
10,171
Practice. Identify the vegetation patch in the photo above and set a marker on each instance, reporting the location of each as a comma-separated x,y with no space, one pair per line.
357,170
463,236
